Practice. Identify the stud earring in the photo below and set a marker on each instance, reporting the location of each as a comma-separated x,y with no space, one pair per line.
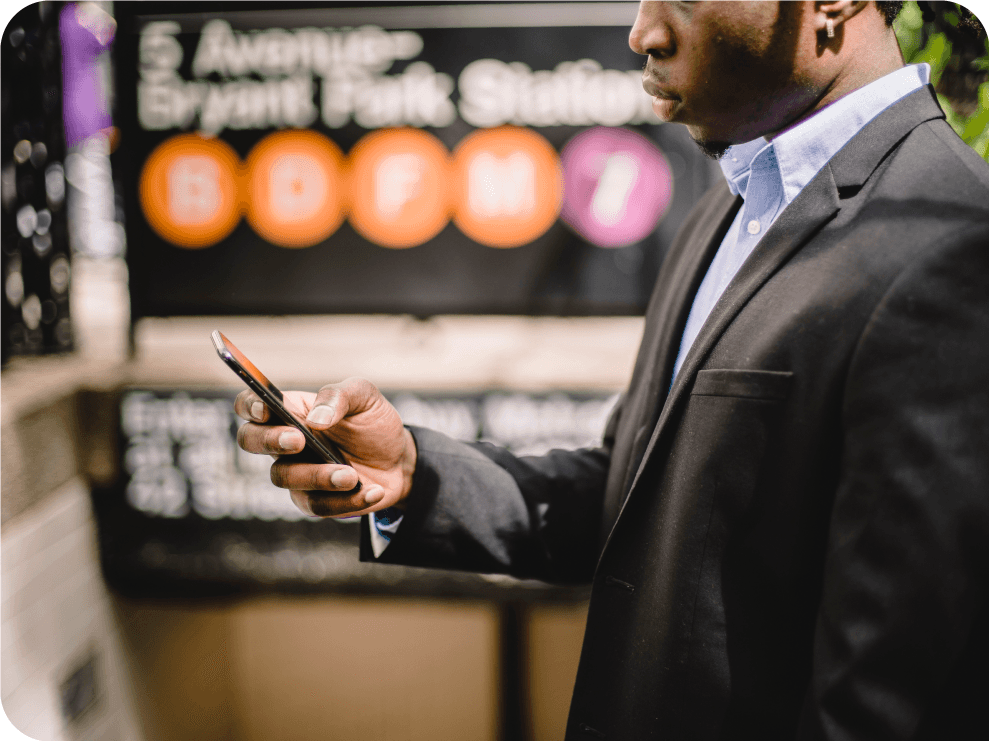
829,25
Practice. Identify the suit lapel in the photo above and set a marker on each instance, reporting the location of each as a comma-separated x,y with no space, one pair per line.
816,204
675,297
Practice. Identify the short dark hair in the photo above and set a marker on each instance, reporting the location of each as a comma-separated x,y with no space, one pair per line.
889,9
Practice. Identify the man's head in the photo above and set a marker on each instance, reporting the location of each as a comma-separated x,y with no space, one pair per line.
733,71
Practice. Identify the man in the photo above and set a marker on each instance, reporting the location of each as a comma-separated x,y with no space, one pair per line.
787,527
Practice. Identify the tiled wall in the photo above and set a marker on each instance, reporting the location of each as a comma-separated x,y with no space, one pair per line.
63,677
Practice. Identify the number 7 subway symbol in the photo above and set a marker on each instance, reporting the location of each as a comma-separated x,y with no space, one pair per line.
618,186
610,200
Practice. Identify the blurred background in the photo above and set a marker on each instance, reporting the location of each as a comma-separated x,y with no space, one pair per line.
465,202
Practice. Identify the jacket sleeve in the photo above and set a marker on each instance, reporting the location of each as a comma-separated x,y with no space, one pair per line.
477,507
905,579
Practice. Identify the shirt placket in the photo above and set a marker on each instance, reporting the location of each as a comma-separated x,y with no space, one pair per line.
763,198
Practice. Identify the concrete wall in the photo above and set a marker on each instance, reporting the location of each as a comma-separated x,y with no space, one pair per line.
64,672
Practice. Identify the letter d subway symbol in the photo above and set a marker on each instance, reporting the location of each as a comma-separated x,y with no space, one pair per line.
296,193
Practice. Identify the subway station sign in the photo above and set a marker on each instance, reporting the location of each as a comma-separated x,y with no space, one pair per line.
440,158
192,514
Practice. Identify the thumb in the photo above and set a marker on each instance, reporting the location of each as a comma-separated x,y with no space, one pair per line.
338,400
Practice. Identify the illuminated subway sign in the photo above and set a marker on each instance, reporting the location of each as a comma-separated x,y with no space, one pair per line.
277,78
429,158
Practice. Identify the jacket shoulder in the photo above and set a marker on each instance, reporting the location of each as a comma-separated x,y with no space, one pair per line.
959,156
933,164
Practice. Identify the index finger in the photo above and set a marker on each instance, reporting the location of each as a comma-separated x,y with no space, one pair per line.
248,406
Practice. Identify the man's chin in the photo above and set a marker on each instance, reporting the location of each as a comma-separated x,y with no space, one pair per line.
710,147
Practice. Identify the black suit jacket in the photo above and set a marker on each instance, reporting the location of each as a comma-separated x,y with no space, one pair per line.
793,541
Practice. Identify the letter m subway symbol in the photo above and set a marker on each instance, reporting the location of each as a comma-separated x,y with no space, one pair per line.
501,186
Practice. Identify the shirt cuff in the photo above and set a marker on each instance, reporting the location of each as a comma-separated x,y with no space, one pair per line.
383,524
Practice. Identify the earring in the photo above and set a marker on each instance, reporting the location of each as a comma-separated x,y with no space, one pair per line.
829,25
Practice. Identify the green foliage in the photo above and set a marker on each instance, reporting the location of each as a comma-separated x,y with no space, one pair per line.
945,36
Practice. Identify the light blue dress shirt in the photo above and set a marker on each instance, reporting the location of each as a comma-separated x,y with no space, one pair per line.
768,176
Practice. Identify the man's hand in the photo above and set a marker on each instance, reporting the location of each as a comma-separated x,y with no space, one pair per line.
366,428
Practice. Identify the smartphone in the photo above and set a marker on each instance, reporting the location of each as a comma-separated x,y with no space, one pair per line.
319,449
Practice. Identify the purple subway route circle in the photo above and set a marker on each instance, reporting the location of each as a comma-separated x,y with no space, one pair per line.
617,185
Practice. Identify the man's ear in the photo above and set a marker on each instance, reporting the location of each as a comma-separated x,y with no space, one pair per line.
836,11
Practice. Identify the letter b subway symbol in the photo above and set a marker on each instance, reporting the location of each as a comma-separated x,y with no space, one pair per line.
190,190
193,189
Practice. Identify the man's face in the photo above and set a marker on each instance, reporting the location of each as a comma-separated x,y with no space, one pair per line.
728,70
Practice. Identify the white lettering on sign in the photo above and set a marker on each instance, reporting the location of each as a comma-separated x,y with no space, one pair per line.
578,93
501,186
182,458
397,180
248,104
158,491
620,173
193,190
298,187
322,52
240,498
457,418
242,104
267,79
420,96
159,52
531,426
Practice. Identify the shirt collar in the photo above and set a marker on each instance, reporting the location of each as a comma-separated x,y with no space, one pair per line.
737,164
802,151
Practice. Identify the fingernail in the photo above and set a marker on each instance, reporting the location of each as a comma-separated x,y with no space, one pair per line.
301,500
341,478
320,415
287,440
374,495
257,410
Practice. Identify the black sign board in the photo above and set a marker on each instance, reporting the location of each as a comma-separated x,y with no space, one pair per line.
193,515
432,158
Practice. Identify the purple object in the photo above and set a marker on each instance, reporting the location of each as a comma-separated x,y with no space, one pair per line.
618,185
85,32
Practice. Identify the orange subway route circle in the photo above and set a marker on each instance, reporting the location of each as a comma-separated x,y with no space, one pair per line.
399,183
295,188
508,185
189,190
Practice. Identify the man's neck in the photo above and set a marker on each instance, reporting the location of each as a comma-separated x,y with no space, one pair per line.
848,77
